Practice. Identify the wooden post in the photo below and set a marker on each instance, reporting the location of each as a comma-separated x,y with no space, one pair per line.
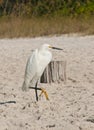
54,72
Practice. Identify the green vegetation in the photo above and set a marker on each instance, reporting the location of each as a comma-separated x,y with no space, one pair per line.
31,8
30,18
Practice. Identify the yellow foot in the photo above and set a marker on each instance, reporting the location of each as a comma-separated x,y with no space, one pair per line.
45,93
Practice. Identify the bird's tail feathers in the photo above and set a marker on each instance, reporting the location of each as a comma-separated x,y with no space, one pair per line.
24,86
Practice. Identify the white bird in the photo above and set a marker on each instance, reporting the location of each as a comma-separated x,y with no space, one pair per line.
36,64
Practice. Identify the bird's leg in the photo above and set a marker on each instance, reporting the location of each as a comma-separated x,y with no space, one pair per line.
36,91
42,91
45,93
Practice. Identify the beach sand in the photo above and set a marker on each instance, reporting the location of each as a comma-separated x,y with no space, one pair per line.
71,105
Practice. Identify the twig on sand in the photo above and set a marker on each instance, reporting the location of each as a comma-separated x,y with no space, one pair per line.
1,103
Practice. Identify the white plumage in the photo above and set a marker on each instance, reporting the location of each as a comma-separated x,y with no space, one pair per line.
36,64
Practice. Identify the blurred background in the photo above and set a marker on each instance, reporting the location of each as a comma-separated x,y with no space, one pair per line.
32,18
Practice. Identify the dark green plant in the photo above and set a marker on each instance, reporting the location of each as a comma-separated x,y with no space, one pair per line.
31,8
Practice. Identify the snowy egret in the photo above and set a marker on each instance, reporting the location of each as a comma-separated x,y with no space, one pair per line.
36,64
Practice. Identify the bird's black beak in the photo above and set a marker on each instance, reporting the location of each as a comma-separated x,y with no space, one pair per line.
56,48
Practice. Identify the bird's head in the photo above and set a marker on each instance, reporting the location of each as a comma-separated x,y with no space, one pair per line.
47,47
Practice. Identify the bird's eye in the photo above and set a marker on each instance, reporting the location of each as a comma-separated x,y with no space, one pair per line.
50,46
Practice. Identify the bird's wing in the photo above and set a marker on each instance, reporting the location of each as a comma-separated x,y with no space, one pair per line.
43,61
31,67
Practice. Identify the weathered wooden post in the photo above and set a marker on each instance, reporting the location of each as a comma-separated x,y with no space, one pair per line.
54,72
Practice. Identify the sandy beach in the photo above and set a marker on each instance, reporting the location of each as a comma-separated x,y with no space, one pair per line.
71,105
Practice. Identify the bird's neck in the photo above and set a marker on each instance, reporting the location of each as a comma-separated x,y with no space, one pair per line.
42,50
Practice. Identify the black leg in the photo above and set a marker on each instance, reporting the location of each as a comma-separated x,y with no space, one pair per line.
42,91
36,91
35,88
